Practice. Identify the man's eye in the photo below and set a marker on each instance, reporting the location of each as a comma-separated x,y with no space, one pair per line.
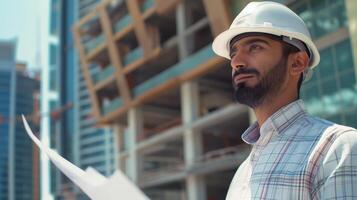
255,47
232,55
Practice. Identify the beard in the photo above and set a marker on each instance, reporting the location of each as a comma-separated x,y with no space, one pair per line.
268,85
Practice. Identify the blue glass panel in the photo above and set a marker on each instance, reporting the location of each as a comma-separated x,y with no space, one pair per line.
94,43
305,14
326,66
351,119
147,5
122,23
347,80
112,106
329,87
338,13
344,55
132,56
322,16
309,92
104,74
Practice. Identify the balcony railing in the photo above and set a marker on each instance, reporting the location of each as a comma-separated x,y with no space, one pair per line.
133,56
122,23
94,43
112,105
103,74
147,5
178,69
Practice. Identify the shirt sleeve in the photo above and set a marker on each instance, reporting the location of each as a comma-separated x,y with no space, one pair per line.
336,177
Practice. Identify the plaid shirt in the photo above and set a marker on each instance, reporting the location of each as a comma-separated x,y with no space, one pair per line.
297,156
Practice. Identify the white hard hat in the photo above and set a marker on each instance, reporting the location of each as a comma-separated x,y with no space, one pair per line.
271,18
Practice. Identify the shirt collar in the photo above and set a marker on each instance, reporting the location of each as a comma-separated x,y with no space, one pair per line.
276,122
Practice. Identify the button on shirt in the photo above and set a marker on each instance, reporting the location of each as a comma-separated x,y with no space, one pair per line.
297,156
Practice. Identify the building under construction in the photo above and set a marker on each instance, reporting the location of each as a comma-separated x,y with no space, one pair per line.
153,77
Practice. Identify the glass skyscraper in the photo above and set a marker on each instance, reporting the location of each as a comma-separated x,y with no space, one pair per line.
16,97
49,93
78,139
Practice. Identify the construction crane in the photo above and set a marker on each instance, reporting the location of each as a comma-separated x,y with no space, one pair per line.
36,116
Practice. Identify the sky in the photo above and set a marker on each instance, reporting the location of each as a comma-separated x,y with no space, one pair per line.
19,20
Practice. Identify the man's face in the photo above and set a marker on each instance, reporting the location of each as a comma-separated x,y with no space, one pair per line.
259,69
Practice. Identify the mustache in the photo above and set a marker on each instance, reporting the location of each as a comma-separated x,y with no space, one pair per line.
245,70
248,70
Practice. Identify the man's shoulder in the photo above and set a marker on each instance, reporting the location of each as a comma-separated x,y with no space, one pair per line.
323,129
337,136
335,158
311,126
340,133
312,120
332,129
336,141
330,126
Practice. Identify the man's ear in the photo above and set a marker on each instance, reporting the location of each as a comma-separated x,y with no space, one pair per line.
298,62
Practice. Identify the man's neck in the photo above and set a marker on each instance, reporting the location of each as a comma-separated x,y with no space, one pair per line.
269,107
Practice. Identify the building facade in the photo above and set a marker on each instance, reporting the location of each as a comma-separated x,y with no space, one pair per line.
48,62
79,140
95,145
17,91
169,97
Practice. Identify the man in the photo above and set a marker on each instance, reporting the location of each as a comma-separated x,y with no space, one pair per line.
294,155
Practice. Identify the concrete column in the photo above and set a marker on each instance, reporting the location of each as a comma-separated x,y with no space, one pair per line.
108,146
118,133
190,110
135,123
195,185
352,26
180,27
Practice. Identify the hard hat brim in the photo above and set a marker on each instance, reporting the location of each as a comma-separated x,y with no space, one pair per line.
221,43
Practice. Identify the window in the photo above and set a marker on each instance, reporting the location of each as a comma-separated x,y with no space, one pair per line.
53,54
322,16
54,17
332,91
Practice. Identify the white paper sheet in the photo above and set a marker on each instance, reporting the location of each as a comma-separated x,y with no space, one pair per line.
95,185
